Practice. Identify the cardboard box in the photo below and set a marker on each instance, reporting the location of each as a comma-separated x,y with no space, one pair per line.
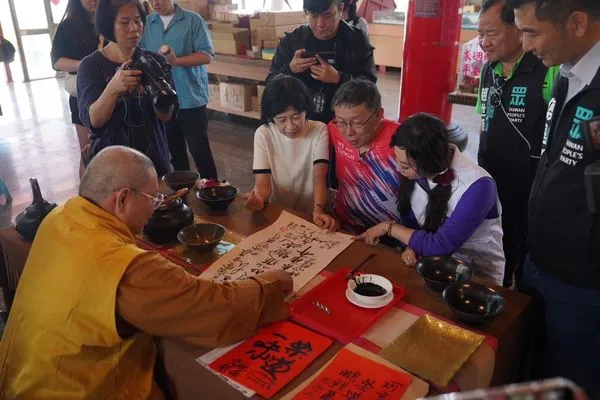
259,91
255,104
273,18
270,33
236,96
233,41
198,6
214,94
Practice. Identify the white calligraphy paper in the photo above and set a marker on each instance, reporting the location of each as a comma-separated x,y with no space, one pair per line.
290,243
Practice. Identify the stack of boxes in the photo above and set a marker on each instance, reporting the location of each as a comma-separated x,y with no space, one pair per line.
270,26
198,6
234,33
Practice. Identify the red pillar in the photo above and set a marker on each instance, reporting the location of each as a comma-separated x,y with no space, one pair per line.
431,46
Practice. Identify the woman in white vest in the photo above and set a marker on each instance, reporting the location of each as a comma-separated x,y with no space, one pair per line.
448,205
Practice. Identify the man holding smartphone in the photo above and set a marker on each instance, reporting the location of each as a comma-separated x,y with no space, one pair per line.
324,54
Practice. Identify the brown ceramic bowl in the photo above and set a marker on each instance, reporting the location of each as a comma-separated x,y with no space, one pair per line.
180,179
201,237
217,197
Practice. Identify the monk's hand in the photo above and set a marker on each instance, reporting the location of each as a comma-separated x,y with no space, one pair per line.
409,257
287,284
254,202
300,64
324,220
324,72
371,236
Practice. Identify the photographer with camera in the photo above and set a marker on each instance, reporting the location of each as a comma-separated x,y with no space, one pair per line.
124,95
182,37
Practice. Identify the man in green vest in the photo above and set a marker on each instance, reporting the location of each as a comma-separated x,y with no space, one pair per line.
513,98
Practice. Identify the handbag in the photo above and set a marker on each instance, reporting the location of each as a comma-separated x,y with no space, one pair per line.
71,79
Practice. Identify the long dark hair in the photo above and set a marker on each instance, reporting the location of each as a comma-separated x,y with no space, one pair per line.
425,140
350,5
76,12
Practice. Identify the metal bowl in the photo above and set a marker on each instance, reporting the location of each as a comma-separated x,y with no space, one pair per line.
473,303
217,197
201,237
180,179
439,272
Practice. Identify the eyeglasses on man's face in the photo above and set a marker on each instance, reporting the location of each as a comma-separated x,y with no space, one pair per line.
355,126
157,199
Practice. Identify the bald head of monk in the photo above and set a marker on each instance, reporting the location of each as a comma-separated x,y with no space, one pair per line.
123,181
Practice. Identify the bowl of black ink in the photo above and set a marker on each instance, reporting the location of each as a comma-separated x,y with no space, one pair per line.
370,290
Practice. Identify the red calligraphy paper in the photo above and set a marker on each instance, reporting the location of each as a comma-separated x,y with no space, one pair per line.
273,357
351,376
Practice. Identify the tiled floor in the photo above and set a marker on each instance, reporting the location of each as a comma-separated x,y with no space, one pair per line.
37,140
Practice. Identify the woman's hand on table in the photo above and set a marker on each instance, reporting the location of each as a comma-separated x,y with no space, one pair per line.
253,202
324,220
409,257
125,81
371,236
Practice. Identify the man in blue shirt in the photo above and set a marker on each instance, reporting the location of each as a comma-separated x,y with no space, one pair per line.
182,36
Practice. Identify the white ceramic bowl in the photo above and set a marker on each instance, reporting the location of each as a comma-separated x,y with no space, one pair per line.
370,300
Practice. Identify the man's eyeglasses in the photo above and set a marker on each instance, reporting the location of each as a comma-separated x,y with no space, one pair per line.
157,199
342,125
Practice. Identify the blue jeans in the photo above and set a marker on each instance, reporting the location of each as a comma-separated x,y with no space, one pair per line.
567,329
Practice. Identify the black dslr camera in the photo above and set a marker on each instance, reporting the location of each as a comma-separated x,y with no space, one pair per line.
154,80
591,132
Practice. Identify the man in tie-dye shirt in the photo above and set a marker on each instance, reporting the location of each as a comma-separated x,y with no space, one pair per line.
365,165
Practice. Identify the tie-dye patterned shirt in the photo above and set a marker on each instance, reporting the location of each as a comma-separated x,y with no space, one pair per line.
368,185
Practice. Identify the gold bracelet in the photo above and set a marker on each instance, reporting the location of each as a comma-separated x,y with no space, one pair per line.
389,229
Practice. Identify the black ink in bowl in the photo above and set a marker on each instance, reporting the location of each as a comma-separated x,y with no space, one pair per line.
369,289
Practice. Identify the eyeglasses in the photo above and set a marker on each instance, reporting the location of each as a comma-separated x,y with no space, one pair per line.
342,125
157,199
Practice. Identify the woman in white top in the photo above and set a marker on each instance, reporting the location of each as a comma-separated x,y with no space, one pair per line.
291,153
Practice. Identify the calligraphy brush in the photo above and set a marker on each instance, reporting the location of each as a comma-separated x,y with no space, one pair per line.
353,272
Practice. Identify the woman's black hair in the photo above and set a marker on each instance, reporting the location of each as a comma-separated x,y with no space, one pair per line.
350,5
106,15
76,13
424,137
281,92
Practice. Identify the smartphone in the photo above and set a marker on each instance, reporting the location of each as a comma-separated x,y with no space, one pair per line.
325,55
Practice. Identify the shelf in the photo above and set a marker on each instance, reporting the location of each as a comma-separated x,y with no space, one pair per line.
238,67
247,114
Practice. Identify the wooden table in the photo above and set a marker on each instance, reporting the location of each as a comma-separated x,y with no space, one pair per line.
189,380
